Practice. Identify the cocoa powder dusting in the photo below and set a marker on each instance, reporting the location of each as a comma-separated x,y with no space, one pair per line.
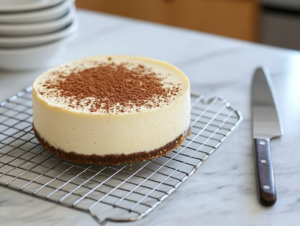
113,87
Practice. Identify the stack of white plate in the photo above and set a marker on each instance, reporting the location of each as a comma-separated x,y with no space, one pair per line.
34,32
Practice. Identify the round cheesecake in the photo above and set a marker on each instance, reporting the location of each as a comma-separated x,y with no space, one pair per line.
111,109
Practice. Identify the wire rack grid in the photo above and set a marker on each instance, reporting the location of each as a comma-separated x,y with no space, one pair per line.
121,193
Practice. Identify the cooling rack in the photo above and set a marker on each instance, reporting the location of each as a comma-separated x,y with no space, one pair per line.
121,193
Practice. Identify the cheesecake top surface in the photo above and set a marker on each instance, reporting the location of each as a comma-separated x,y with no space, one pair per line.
111,85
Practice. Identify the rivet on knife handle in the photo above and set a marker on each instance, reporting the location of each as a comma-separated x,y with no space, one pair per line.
264,171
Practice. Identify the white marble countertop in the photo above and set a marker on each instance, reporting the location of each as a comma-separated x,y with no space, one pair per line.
223,191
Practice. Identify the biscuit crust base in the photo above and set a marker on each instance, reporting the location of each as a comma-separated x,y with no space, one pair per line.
114,159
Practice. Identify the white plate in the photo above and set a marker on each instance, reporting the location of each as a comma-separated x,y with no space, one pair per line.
20,42
37,16
33,57
37,28
26,5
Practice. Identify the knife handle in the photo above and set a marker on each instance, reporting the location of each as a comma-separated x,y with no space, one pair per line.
264,172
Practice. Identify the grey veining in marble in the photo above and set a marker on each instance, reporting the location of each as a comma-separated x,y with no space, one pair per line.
223,191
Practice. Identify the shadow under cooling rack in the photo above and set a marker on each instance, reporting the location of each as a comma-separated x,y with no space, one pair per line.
121,193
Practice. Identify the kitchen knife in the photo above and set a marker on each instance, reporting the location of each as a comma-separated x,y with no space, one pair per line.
265,125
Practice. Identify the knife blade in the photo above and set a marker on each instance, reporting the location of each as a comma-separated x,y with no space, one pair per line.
265,125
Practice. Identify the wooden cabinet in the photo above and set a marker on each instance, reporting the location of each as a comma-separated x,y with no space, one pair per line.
232,18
